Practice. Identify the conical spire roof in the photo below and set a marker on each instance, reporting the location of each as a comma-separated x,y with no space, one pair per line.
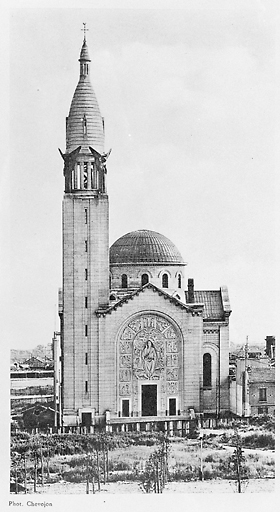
84,55
84,125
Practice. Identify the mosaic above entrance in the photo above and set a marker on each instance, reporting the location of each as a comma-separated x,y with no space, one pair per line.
148,350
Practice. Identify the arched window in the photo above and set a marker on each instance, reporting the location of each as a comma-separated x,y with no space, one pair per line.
124,281
179,281
165,281
207,371
144,279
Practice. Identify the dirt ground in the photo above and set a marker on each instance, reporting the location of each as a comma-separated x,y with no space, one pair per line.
209,486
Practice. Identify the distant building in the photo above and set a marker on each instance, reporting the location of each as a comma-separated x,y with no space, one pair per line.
36,363
253,352
270,346
252,386
38,416
261,384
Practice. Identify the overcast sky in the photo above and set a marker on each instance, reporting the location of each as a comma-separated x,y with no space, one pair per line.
188,98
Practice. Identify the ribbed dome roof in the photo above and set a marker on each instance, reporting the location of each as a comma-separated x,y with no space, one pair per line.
84,126
144,246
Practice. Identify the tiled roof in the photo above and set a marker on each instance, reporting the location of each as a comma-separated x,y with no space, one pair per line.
144,246
213,305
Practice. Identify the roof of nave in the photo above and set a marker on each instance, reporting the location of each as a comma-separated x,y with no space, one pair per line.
194,309
215,305
144,246
84,125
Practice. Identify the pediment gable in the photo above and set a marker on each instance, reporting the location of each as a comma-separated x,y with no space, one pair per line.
195,310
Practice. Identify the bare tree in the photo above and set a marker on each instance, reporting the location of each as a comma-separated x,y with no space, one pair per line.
237,461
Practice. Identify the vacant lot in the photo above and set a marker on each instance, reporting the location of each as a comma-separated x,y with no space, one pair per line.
124,463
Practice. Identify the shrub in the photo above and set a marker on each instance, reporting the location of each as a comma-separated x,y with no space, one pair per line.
77,461
260,440
184,473
209,458
123,476
75,475
56,467
264,420
210,471
119,465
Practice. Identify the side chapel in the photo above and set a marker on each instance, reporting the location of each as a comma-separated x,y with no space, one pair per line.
140,346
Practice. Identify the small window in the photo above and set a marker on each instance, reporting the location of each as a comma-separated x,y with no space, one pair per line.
86,330
85,177
86,246
207,371
86,302
179,281
86,386
124,281
125,408
86,274
144,279
262,395
78,176
260,410
165,281
84,128
86,358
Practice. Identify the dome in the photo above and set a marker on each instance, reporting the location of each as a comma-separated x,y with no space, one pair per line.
144,246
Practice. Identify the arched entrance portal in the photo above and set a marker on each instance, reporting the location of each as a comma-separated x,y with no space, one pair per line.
149,366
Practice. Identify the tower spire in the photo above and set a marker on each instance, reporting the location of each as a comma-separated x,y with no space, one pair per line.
85,29
84,124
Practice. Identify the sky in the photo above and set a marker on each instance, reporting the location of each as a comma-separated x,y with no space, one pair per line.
189,101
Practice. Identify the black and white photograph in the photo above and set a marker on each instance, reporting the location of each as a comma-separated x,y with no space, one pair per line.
139,220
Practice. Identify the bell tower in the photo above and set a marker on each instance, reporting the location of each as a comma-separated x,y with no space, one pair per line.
85,248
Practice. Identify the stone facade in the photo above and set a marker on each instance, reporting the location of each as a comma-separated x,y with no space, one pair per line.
137,351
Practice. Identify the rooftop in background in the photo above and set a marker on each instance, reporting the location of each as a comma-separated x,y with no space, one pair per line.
262,375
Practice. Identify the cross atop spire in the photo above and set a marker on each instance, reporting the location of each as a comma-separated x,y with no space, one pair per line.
85,29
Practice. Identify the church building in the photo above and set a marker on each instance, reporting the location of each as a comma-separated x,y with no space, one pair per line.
141,348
